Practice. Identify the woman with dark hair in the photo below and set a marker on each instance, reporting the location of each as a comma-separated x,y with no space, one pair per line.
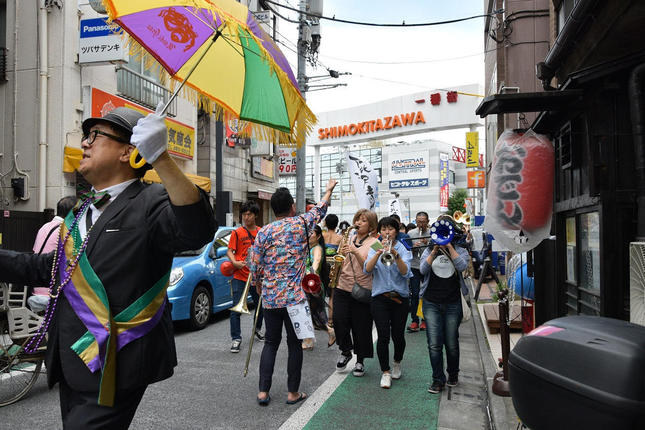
389,296
332,239
342,226
352,318
441,267
316,264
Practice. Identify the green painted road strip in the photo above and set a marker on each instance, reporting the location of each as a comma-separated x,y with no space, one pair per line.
360,403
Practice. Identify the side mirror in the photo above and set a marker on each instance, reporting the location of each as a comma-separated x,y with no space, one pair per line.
221,252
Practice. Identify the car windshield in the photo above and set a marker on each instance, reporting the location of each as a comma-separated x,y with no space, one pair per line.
221,239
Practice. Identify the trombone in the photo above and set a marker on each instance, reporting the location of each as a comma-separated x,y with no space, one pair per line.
241,306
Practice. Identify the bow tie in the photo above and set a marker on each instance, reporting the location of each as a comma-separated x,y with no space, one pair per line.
98,198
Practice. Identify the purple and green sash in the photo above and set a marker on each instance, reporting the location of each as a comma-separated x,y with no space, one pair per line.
106,334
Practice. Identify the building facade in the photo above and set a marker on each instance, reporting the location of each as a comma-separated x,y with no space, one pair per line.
59,64
591,107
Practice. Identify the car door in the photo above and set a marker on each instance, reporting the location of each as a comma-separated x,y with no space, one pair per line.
222,295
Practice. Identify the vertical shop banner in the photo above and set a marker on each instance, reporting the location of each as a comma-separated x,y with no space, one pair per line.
410,170
287,160
444,181
394,206
365,180
237,132
472,149
181,137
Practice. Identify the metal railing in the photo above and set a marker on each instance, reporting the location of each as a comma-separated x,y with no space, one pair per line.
143,90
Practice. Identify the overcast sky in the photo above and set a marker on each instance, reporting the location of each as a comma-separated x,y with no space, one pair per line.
390,62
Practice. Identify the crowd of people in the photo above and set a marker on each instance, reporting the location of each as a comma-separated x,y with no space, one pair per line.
100,269
373,273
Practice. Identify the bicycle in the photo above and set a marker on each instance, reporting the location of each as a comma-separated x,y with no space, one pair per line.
18,369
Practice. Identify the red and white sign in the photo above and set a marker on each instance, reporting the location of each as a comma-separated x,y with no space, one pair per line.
287,163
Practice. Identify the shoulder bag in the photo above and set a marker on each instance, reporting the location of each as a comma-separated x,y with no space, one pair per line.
359,293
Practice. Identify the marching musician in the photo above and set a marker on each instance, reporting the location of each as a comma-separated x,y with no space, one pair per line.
277,265
390,294
118,244
238,246
420,236
352,317
441,295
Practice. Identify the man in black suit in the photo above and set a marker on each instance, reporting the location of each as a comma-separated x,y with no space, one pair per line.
109,324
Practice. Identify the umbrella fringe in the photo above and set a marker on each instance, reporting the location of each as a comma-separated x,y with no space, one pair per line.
302,123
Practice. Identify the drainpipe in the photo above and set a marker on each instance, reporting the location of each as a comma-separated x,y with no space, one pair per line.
637,114
42,143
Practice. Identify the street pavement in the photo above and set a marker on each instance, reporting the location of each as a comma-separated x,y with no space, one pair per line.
208,390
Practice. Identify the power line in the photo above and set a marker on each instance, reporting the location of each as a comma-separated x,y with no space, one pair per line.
372,24
437,60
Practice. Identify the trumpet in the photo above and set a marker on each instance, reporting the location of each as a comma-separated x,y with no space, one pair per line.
387,258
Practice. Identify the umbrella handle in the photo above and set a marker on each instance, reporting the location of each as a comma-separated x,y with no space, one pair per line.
133,155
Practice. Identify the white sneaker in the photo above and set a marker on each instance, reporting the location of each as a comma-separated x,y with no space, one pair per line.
396,370
386,380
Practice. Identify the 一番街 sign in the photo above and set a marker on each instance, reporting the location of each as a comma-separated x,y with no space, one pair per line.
410,170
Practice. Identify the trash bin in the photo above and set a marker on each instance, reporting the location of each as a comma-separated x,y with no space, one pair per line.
580,372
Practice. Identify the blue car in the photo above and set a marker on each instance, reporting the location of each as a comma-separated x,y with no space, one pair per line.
197,288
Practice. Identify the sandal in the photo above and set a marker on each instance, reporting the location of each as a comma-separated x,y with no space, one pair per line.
332,338
301,397
265,401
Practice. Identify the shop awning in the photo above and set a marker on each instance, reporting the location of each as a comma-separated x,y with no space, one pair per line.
528,102
73,157
201,181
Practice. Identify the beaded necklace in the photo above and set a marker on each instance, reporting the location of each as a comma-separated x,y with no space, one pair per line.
68,271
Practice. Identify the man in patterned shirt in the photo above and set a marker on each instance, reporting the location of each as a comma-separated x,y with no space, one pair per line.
277,263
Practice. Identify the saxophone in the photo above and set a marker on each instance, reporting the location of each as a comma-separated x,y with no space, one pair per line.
339,259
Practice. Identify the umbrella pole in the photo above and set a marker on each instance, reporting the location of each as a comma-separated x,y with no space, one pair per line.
174,96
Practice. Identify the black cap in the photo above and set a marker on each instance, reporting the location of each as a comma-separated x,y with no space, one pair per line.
121,117
124,119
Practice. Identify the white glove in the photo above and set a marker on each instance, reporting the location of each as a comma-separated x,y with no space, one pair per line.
150,135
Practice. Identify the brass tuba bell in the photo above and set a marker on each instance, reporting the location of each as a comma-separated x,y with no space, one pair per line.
461,218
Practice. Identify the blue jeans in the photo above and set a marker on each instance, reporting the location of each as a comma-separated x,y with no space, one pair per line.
443,321
234,319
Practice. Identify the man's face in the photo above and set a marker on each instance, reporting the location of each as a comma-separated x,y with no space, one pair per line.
248,218
422,222
103,156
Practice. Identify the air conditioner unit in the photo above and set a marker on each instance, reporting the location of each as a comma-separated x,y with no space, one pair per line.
637,282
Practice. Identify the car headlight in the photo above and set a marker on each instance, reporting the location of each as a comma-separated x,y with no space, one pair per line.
175,276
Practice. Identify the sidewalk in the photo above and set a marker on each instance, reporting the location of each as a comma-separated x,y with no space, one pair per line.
360,403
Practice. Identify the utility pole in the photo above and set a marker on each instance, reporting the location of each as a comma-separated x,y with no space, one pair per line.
301,153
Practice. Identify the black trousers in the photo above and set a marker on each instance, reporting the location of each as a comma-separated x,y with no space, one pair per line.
353,325
274,319
389,317
81,411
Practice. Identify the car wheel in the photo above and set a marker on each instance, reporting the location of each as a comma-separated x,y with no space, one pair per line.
200,308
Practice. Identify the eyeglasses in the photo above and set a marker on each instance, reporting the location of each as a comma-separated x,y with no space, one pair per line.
91,137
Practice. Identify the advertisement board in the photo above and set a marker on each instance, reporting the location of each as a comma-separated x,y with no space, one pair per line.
444,181
181,137
409,170
99,43
472,149
476,179
287,161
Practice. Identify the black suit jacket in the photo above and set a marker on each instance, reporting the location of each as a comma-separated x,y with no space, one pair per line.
131,246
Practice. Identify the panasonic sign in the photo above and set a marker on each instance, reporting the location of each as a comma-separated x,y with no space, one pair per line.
99,42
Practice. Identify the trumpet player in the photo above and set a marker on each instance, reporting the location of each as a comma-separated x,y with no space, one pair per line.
390,266
420,236
352,317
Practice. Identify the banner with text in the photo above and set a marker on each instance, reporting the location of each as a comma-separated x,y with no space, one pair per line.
365,180
472,149
444,181
287,160
181,137
409,170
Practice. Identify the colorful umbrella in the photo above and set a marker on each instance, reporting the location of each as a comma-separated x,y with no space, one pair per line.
218,50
